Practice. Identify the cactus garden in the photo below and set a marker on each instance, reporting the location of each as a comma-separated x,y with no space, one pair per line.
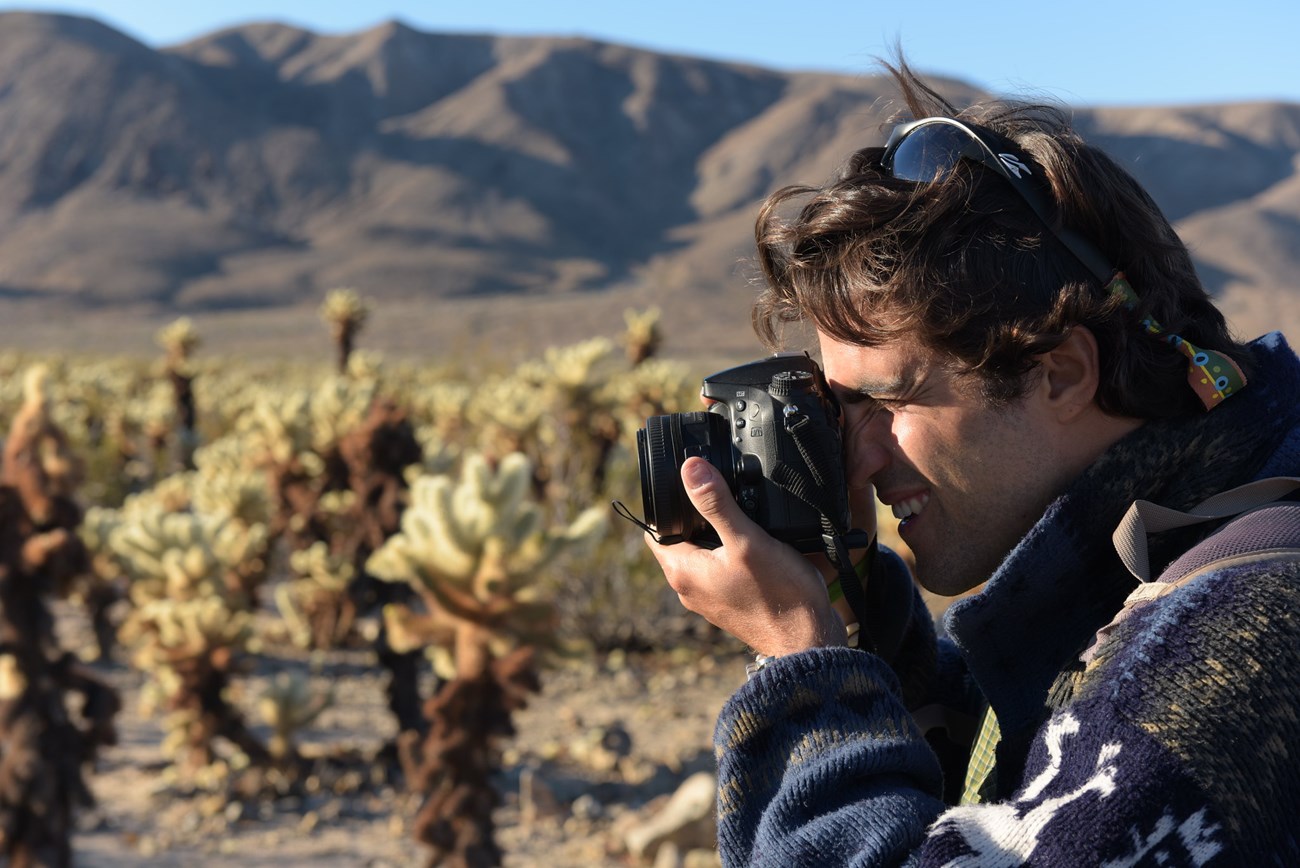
363,612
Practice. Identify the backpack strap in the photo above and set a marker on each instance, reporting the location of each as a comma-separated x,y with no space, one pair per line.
1266,528
1145,517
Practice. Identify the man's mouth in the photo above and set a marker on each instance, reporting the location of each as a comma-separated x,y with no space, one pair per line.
910,507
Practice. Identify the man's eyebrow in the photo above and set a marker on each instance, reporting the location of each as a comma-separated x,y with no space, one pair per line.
900,385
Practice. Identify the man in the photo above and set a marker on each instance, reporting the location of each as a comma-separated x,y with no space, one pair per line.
1021,349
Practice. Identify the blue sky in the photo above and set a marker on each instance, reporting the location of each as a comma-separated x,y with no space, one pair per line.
1104,52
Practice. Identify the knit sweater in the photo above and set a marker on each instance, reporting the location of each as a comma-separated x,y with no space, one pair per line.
1176,744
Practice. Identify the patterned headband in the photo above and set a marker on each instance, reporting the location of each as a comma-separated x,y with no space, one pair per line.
1212,375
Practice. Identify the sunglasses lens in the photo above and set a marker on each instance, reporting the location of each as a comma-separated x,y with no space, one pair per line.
928,153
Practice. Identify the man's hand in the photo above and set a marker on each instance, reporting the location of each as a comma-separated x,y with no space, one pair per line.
756,588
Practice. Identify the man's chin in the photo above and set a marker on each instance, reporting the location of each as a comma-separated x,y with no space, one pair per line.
947,580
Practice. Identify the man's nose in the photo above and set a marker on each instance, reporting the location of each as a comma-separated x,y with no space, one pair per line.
867,451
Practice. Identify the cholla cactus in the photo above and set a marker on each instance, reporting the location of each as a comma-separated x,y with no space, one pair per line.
654,388
189,623
473,550
339,406
180,339
183,555
550,410
288,705
228,485
345,313
315,606
48,736
278,429
38,462
643,335
231,489
437,455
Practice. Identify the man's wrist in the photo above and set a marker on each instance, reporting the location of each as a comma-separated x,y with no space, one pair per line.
852,636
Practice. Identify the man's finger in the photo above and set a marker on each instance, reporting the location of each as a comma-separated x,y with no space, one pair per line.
710,494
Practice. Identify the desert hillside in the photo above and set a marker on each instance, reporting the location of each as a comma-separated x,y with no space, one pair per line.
490,193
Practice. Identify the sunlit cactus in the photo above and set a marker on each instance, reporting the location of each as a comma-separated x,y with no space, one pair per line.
179,340
437,455
580,429
183,555
278,429
224,485
227,485
507,412
190,649
643,336
486,568
314,605
581,366
38,461
288,705
189,623
339,406
443,406
654,388
345,313
473,549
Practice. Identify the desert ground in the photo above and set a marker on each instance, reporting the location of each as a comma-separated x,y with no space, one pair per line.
598,751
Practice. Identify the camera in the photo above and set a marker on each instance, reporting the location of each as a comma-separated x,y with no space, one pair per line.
774,433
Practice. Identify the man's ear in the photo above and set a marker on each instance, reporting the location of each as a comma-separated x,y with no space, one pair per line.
1071,374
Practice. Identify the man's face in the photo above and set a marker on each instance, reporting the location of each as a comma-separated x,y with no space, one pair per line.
967,478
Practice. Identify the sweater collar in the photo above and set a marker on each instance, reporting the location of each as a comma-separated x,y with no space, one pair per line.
1064,580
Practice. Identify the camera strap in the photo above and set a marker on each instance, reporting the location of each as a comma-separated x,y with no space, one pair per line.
817,458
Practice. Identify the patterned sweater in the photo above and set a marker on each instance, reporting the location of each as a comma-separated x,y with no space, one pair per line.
1178,743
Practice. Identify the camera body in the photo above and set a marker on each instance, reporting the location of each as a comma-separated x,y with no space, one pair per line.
774,433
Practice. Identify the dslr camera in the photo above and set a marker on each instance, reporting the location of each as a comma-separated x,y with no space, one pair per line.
774,433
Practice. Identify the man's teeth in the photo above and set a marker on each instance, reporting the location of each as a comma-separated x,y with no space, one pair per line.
911,506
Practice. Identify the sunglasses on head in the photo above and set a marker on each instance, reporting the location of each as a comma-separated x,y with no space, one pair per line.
929,150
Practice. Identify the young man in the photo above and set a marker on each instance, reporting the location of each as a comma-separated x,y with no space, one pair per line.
1021,349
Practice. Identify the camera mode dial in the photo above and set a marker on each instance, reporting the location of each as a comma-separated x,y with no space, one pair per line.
787,383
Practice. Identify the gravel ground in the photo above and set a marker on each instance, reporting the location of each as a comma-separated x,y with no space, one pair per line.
600,748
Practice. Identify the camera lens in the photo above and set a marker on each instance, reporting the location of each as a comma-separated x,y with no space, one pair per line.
663,445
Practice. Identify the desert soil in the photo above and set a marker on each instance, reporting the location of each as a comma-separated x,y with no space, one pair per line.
599,749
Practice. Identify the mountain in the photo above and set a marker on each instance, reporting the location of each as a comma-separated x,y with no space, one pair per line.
485,191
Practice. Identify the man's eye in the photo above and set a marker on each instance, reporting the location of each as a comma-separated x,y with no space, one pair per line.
869,407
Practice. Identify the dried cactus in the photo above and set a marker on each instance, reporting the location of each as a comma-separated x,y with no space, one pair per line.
473,551
47,739
345,313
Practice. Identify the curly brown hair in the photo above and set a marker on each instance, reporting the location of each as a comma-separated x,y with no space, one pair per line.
963,265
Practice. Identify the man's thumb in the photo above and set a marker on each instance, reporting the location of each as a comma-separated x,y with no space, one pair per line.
708,491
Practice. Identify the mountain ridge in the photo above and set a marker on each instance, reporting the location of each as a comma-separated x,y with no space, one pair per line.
249,170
